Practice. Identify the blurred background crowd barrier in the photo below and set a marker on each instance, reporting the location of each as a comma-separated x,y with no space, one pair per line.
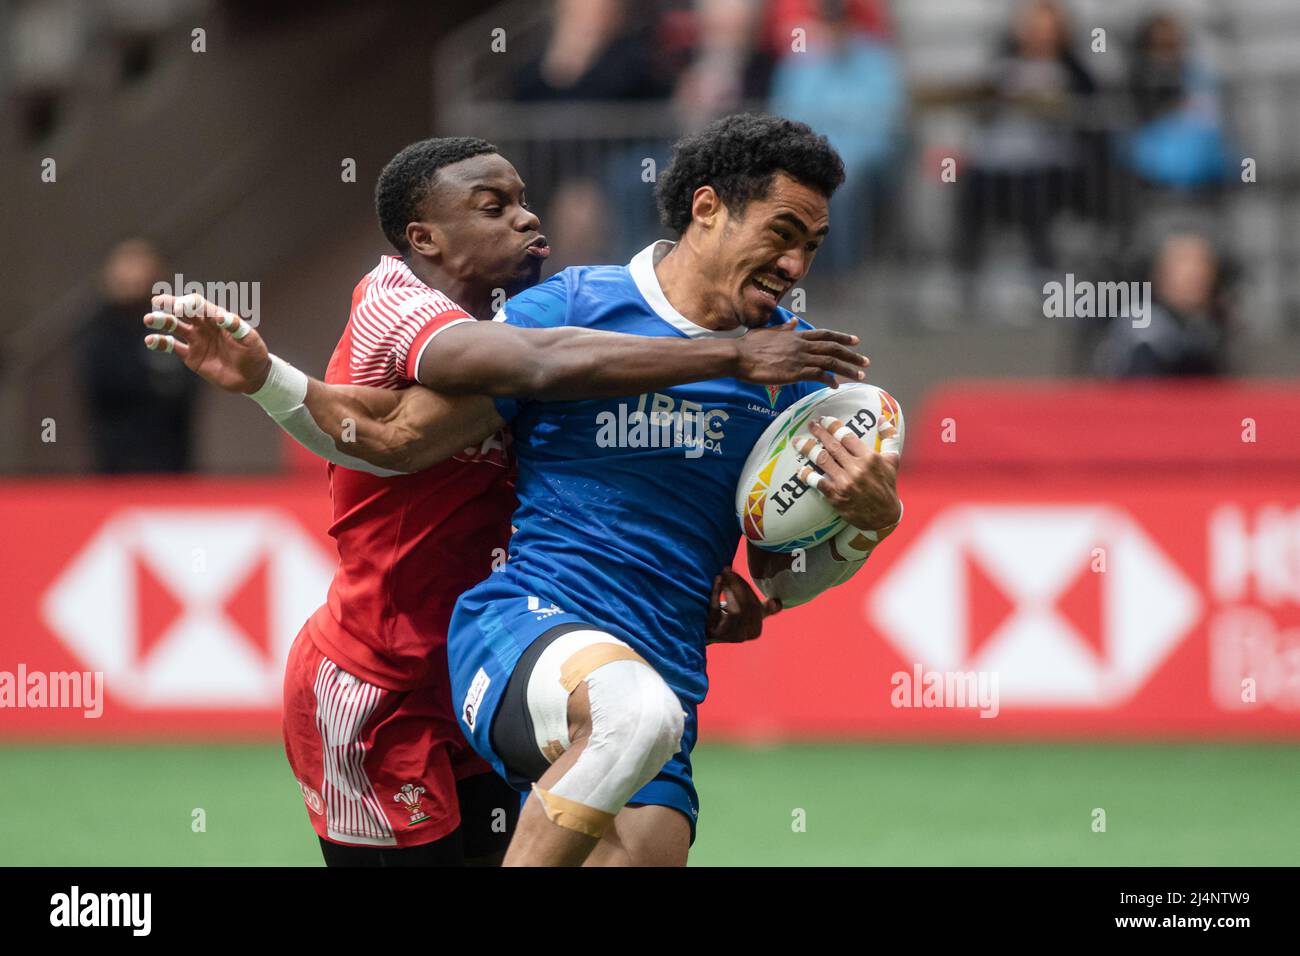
993,148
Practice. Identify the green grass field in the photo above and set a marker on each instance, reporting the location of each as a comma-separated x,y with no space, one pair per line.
861,804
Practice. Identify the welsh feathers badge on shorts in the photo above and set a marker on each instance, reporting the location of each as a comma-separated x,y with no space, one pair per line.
409,798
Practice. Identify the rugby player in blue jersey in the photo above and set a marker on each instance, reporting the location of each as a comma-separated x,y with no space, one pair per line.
577,668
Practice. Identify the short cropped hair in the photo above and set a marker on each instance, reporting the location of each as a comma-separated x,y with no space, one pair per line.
410,176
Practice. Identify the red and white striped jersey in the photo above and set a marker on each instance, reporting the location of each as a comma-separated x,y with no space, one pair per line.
409,545
394,315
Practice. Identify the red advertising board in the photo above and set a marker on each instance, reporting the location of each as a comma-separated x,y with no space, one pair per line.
1118,607
184,594
1245,427
1132,608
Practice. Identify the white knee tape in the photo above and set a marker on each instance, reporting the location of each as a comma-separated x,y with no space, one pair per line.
548,701
636,726
636,723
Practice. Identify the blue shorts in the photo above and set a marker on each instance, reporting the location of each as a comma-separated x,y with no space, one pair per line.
491,627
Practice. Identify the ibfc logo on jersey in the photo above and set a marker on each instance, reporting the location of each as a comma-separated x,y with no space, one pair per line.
661,421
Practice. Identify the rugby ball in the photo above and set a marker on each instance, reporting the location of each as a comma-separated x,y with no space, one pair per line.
776,509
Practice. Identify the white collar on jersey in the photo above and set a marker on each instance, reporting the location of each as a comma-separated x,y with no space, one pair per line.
642,268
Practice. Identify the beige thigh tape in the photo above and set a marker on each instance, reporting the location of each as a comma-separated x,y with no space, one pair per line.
584,661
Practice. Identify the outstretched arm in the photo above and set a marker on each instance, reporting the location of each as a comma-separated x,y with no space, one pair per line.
573,363
386,432
398,431
381,431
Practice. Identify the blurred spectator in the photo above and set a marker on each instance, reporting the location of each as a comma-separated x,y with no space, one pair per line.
140,403
862,17
848,85
721,72
1030,153
1191,317
45,46
1180,142
739,42
596,51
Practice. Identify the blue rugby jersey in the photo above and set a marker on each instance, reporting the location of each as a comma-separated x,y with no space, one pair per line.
627,505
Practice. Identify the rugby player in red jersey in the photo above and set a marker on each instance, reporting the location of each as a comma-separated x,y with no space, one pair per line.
369,728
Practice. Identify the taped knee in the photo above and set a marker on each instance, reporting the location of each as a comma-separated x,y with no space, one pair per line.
636,727
635,714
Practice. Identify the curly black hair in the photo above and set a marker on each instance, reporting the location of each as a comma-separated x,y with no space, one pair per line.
409,177
738,156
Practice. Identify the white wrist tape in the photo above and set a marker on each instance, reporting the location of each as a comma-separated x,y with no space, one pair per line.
282,397
809,574
853,544
825,566
284,390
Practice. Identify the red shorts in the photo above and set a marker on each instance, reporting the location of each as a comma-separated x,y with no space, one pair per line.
376,767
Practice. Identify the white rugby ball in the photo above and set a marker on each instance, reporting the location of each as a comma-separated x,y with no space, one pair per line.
778,511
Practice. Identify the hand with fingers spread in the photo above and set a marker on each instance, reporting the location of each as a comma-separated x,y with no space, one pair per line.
735,612
780,355
218,346
859,482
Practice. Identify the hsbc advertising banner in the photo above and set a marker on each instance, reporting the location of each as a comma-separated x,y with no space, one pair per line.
179,598
1161,608
1149,607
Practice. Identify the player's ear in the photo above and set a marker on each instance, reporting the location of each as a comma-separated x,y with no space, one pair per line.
706,205
425,239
